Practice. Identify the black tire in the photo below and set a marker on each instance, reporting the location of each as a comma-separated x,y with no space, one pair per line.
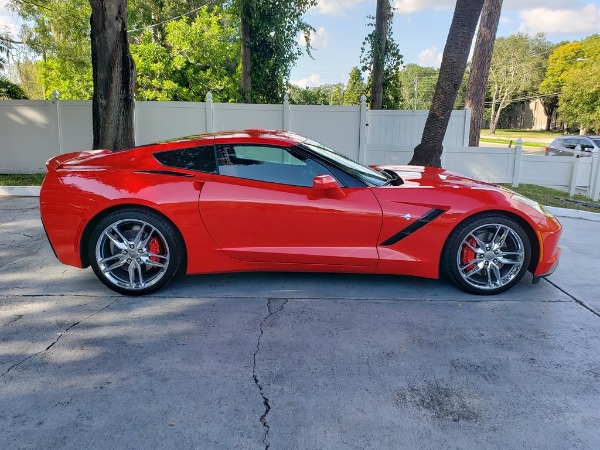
487,254
135,251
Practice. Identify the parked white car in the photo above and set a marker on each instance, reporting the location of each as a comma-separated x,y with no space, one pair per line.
574,145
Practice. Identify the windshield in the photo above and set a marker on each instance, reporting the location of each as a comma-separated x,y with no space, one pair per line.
363,173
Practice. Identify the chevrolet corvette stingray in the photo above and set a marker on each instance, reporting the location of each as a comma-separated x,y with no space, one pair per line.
258,200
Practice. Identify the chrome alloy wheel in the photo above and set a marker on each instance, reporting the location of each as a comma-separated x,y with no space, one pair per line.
132,254
490,256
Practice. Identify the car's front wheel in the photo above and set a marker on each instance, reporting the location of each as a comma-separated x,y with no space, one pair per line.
135,252
487,254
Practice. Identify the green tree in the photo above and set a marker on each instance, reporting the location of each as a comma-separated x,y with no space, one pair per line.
518,66
452,70
565,58
10,90
186,71
327,94
4,45
269,45
417,86
355,88
380,55
336,95
580,98
59,32
153,15
28,73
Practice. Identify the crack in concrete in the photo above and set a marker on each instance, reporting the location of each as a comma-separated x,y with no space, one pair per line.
580,302
274,305
28,235
58,337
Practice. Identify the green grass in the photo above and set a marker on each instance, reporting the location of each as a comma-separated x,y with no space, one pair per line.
21,179
523,134
553,197
514,142
530,138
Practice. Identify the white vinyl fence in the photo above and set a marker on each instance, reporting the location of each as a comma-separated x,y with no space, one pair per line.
33,131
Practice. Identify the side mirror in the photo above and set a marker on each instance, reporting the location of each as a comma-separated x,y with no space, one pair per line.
327,186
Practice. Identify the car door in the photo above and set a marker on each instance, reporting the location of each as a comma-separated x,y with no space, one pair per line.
261,207
568,146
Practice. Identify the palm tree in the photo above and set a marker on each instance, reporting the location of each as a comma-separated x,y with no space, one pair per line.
10,90
480,67
3,49
454,63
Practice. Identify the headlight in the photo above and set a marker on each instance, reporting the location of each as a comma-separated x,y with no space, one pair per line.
533,204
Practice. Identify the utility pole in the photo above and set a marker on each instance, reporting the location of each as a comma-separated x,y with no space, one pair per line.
416,84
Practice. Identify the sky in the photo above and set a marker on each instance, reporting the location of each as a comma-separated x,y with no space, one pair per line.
420,28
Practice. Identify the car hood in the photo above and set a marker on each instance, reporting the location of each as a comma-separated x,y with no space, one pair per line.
436,177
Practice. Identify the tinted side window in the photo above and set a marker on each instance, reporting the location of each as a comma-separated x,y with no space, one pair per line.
270,164
570,143
585,144
201,159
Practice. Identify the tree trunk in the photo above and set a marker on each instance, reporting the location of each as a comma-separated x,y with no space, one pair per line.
549,104
495,116
113,74
245,55
493,111
381,22
480,67
454,62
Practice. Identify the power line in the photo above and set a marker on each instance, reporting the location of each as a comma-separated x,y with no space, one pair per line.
209,3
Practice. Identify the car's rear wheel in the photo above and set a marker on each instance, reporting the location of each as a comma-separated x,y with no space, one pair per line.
135,252
487,254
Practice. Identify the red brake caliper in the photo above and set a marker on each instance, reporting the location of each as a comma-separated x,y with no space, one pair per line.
468,254
154,247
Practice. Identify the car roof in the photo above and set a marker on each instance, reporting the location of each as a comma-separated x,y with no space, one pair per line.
578,136
258,136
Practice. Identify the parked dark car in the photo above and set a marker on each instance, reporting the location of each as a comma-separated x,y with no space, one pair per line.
574,145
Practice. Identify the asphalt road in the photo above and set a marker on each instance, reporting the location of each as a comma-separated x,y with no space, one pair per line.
294,360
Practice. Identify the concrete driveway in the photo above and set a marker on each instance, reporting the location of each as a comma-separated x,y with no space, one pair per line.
294,360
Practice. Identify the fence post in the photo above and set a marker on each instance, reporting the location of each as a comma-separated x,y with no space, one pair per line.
209,113
595,178
517,167
467,127
136,133
286,112
363,131
56,103
574,175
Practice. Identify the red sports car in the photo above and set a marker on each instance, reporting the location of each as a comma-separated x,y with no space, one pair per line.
258,200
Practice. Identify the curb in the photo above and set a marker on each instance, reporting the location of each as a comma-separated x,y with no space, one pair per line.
574,213
34,191
20,191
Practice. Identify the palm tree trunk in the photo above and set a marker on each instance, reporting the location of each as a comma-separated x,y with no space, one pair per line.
454,62
480,67
381,22
245,55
